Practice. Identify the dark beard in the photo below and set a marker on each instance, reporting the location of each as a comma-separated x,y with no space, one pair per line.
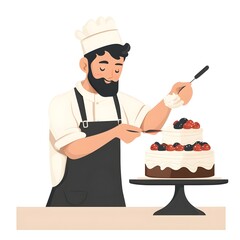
104,89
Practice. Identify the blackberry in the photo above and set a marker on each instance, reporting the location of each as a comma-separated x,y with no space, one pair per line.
178,125
183,120
176,143
188,147
162,148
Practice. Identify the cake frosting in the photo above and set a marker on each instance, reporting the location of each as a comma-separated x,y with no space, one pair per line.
182,154
183,136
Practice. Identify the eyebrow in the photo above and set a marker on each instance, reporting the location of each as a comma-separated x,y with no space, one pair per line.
105,62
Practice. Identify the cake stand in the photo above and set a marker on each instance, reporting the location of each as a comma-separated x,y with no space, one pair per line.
179,205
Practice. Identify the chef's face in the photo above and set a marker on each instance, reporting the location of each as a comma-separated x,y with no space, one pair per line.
104,74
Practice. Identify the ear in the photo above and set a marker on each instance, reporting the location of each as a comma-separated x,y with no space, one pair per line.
83,63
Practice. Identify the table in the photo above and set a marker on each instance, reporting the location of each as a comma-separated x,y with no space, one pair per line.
179,205
115,218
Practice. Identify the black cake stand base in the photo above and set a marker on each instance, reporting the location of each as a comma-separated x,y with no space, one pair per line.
179,205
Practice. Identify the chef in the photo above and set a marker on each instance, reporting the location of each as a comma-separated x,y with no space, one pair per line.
88,122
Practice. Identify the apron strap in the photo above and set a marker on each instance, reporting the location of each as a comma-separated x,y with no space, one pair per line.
81,106
115,98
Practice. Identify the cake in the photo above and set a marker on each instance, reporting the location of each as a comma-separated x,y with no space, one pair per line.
182,153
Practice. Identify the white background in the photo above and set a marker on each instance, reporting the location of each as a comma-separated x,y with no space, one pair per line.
171,41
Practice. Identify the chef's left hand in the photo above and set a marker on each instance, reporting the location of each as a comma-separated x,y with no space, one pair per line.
127,133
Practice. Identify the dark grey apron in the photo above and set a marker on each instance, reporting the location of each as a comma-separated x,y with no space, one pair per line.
93,180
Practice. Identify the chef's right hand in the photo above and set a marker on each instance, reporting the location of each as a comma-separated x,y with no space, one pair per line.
184,90
127,133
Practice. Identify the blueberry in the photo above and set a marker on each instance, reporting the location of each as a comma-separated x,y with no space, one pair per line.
188,147
183,120
176,143
161,148
178,125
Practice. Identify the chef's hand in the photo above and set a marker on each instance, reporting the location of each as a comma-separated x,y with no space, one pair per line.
185,89
127,133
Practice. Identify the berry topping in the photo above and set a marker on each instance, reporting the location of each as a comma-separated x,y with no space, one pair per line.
175,144
188,147
178,125
170,147
164,144
186,124
158,146
206,147
175,122
197,147
154,147
183,120
198,142
196,125
179,147
190,122
162,147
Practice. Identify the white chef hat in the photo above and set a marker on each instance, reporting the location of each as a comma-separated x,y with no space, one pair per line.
97,34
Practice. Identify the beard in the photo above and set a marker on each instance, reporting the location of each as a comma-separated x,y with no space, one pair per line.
104,89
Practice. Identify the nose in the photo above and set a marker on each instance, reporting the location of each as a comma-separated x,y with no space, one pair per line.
111,76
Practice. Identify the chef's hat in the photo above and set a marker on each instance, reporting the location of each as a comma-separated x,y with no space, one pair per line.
97,34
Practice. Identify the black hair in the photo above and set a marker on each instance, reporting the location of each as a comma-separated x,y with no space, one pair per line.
115,50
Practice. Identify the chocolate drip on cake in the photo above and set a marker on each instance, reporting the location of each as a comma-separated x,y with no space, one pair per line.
180,173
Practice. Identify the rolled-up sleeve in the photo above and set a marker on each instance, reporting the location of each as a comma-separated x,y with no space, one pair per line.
62,122
134,110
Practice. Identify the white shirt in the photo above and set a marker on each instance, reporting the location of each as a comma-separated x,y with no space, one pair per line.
65,118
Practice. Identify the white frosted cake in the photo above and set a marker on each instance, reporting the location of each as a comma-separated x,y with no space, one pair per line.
182,153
